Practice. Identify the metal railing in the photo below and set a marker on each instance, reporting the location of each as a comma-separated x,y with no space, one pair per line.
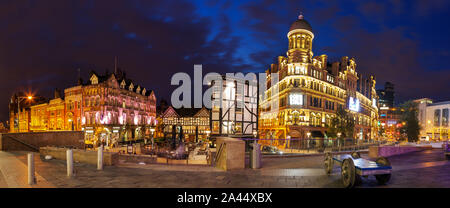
304,145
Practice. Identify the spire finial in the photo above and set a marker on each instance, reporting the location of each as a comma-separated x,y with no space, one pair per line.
300,16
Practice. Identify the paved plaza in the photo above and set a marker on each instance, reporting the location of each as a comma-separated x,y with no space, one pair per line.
427,168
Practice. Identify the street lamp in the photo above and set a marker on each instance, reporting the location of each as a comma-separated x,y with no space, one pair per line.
29,97
152,130
339,138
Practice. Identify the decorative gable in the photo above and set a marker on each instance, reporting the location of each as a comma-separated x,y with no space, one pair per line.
131,87
152,95
202,113
170,112
138,89
94,79
144,91
112,81
123,84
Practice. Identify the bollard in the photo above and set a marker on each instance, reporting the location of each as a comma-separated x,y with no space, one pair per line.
100,158
31,178
256,156
69,159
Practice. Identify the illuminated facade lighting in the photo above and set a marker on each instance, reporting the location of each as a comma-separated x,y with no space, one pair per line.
309,90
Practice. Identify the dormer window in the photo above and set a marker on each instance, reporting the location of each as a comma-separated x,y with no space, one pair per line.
138,90
131,87
94,79
122,84
144,91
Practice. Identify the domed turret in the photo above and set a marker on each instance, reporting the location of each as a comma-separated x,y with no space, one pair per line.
300,37
300,23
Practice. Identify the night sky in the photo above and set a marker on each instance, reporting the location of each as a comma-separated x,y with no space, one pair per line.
43,43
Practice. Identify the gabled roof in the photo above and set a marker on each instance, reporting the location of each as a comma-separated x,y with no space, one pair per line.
120,77
186,112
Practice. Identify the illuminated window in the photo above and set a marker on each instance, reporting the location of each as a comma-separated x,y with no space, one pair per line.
296,99
353,104
437,117
445,117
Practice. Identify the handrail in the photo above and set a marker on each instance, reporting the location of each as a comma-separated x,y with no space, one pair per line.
219,152
24,143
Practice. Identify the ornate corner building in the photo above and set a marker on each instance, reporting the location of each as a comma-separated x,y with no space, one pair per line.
308,90
108,108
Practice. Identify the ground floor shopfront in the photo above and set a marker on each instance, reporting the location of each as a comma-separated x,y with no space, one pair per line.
296,136
190,133
435,134
112,135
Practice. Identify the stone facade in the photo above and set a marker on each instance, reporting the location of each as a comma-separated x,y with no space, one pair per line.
230,153
109,108
304,92
434,119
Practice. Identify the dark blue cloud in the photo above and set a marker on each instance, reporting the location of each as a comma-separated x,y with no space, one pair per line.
43,43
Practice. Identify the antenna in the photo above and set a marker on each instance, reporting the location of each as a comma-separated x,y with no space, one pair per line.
115,65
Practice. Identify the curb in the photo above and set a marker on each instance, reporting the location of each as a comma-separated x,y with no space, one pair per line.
308,155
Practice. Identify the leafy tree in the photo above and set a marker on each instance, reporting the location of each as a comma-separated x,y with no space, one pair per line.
410,124
342,123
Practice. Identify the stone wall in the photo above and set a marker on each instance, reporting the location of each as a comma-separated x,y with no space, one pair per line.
34,140
232,156
386,151
81,156
147,159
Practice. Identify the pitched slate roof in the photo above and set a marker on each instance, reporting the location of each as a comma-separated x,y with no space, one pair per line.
120,76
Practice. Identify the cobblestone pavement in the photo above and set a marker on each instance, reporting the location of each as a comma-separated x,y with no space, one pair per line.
428,168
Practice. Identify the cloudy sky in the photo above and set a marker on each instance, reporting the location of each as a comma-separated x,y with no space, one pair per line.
43,43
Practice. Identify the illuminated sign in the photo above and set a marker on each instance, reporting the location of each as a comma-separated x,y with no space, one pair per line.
391,122
353,104
296,99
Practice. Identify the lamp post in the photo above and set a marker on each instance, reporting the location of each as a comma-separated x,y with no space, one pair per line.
153,131
18,109
309,141
339,138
